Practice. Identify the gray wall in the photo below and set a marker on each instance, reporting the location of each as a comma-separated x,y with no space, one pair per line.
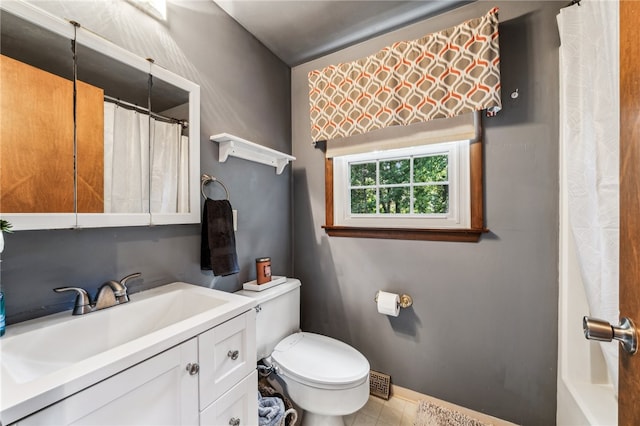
482,332
245,91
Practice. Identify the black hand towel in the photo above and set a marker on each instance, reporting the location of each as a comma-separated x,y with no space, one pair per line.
218,246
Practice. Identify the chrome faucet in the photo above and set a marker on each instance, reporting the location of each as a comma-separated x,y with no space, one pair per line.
109,294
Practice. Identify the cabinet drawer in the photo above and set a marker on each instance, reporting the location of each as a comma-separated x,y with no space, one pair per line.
227,354
239,406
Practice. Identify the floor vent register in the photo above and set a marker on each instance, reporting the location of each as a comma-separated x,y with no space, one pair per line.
379,384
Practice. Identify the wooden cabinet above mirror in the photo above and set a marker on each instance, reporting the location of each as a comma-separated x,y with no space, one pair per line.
126,155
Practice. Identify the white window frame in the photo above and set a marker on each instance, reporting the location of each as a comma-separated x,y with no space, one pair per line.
459,215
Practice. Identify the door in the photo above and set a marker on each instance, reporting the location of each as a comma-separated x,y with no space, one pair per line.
36,140
629,381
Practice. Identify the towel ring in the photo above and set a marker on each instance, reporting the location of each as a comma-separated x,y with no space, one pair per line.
205,179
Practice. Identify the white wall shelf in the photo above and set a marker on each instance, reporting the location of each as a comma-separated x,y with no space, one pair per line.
241,148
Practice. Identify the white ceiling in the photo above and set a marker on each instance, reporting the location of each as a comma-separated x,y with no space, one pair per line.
300,30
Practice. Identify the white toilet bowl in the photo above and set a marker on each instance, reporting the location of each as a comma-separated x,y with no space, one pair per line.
325,377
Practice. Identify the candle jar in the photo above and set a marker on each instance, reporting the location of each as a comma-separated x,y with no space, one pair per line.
263,270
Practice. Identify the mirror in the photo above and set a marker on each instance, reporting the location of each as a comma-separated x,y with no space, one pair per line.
112,128
36,144
169,145
126,158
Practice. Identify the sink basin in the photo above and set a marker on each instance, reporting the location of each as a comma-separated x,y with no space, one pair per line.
64,353
82,337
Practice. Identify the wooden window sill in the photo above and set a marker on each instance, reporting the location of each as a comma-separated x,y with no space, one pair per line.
470,235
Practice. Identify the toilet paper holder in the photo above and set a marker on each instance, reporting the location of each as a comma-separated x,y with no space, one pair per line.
405,300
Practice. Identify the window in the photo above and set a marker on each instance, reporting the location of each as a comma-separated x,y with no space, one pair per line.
422,187
427,192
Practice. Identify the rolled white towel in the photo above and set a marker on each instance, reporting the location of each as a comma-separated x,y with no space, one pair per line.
270,410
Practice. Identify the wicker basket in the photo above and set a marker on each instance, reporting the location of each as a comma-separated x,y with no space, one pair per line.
290,415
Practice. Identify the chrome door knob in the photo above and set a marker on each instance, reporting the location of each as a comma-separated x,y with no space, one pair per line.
603,331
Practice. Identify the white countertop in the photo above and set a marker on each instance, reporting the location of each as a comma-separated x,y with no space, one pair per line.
100,344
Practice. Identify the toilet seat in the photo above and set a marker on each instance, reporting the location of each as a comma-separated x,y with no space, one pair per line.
320,361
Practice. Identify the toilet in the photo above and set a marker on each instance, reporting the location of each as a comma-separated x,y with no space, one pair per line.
327,378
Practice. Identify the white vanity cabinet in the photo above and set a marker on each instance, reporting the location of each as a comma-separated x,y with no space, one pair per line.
209,379
158,391
228,376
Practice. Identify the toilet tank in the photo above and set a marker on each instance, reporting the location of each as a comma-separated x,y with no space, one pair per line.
278,314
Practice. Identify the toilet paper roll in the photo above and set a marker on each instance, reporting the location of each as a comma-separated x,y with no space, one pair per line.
388,303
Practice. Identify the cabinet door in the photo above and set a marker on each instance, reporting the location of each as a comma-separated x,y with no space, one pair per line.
239,406
36,140
227,354
36,134
158,391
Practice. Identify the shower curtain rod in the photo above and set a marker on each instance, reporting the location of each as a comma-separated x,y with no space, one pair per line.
144,110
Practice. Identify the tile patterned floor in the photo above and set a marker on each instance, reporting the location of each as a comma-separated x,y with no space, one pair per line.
396,411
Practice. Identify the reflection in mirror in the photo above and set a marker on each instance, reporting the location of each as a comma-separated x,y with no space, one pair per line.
145,155
36,124
125,159
113,154
169,145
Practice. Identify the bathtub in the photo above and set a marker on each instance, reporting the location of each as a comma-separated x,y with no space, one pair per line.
585,393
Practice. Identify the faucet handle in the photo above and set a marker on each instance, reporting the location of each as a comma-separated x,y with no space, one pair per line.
120,287
83,302
124,280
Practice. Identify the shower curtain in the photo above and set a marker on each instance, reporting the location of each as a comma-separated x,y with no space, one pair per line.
589,128
126,160
169,167
146,163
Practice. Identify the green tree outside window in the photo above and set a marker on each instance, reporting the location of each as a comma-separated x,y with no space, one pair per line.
414,185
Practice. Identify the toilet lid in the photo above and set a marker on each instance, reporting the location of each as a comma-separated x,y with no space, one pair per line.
320,361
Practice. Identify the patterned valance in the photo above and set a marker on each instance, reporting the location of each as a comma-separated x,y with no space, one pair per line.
443,74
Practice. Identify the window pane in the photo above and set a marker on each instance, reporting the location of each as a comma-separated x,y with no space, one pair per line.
394,171
430,169
395,200
363,201
363,174
431,199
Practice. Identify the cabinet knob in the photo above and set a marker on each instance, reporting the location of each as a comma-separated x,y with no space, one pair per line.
233,354
234,422
193,368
